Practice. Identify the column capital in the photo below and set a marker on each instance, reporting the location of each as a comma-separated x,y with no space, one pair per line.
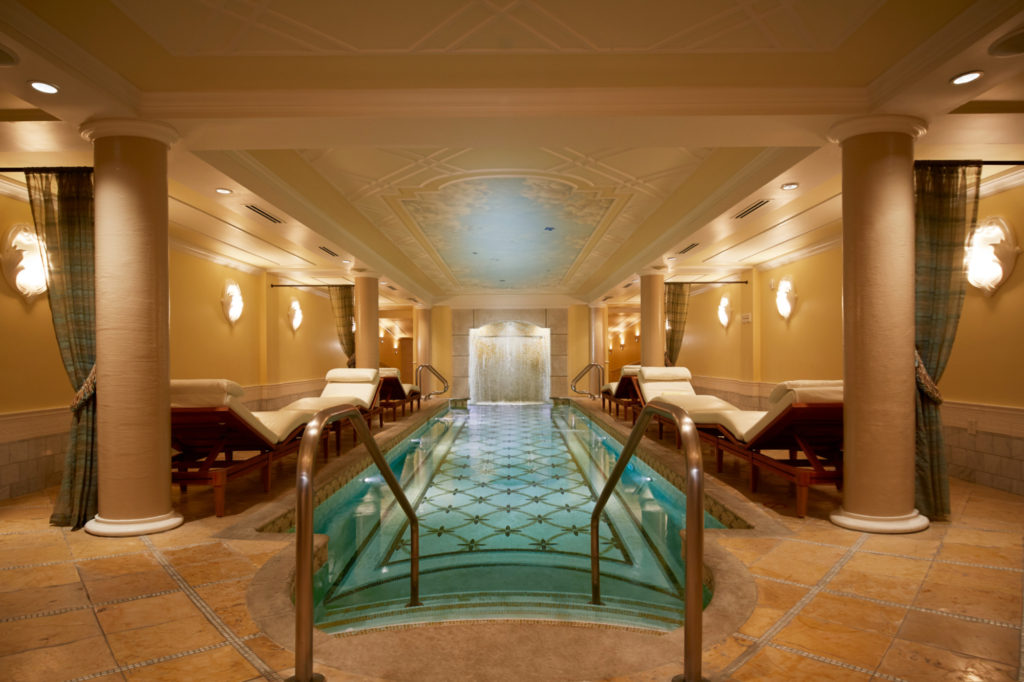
93,129
882,123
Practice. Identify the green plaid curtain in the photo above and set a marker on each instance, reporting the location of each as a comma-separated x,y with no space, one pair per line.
677,300
62,208
343,305
946,209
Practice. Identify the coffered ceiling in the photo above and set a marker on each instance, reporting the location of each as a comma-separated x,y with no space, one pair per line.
509,150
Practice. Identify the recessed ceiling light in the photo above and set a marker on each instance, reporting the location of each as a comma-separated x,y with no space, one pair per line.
788,186
965,78
549,229
671,258
222,190
345,260
44,87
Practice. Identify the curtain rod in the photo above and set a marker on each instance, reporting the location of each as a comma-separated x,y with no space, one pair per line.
24,169
706,281
309,285
940,162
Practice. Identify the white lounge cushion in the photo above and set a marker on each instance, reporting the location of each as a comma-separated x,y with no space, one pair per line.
283,422
389,372
322,402
630,370
655,381
356,375
193,393
410,389
610,387
809,390
744,424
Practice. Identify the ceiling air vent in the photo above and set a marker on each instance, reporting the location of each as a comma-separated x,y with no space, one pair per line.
391,287
691,247
412,299
263,214
628,285
605,299
750,209
328,251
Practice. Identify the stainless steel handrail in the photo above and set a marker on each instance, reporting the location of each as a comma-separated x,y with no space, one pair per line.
694,555
583,372
304,529
419,371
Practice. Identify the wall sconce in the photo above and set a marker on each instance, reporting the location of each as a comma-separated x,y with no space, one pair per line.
785,297
724,312
232,301
622,340
23,261
295,315
991,254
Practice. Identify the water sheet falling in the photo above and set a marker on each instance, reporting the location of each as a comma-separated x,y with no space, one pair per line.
509,362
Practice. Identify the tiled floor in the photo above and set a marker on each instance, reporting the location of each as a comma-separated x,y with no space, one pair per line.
832,604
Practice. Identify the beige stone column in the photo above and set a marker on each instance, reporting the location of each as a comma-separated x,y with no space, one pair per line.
132,348
421,331
598,345
366,293
441,346
652,320
878,324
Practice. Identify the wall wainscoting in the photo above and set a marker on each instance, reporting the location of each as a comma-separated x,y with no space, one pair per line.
33,444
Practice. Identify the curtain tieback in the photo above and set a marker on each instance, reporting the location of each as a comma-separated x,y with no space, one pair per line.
86,391
924,380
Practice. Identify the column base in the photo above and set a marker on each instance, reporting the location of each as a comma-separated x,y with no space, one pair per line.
115,528
906,523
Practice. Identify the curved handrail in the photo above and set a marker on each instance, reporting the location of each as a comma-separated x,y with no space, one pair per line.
419,371
694,555
304,529
583,372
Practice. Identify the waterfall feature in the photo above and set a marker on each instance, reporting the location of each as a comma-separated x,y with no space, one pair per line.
509,362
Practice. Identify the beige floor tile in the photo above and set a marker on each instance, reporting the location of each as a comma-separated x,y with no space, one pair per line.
972,591
856,613
38,576
42,600
967,638
748,550
17,519
827,533
75,659
211,571
85,546
774,599
722,654
207,551
110,567
916,661
21,549
140,613
834,640
164,639
797,561
902,545
223,664
47,631
130,586
983,538
1009,557
883,577
773,664
271,653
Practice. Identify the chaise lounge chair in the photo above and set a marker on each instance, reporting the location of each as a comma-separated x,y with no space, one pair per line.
674,384
210,425
622,393
345,385
395,394
802,417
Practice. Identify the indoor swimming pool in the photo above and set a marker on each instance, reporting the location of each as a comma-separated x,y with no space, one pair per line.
503,495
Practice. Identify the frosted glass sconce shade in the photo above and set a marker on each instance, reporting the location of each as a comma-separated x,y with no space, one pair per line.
785,297
724,311
232,301
294,315
991,254
23,261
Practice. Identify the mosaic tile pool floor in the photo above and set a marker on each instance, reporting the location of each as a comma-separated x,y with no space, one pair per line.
504,496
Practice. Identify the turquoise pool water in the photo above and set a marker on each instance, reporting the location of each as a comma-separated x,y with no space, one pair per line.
503,494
